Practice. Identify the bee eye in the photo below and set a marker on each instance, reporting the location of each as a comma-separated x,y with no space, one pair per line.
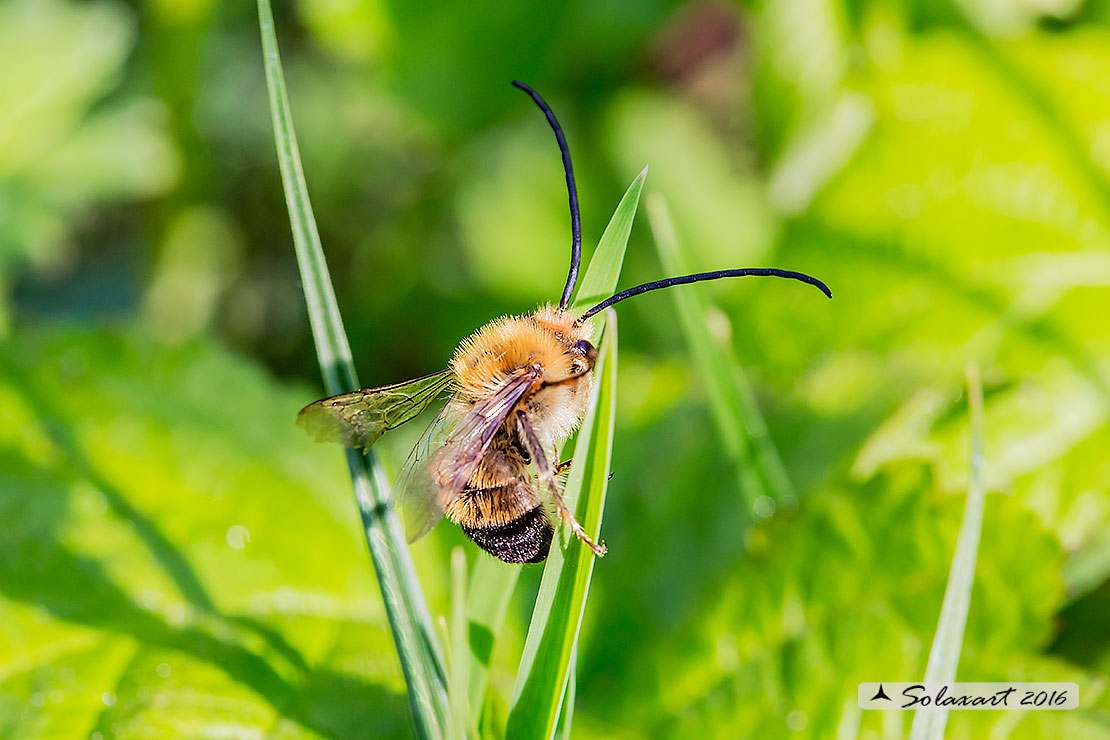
585,349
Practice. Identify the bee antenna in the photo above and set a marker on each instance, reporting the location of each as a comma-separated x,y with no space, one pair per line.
698,277
572,193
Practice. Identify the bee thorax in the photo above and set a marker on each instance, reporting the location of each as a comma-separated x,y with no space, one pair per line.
547,341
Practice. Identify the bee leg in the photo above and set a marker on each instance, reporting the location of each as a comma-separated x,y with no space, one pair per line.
560,467
569,520
547,475
565,381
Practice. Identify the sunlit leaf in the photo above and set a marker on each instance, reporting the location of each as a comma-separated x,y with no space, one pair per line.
177,561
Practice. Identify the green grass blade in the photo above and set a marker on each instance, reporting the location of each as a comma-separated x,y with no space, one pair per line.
553,634
542,678
600,280
566,711
944,656
493,582
420,655
460,647
731,400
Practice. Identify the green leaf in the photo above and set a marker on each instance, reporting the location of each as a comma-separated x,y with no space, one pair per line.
866,566
421,658
553,635
176,561
763,481
944,657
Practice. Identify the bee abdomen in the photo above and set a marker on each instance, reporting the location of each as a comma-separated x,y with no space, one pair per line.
526,539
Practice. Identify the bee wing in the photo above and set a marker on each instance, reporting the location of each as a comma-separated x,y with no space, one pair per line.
358,419
415,490
446,457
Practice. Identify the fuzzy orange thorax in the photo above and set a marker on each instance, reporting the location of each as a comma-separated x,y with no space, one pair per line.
545,338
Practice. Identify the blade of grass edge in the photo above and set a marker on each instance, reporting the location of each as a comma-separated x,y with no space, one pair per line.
553,633
419,653
731,399
493,582
944,655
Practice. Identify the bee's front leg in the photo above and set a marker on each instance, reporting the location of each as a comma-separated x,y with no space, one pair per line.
574,378
547,474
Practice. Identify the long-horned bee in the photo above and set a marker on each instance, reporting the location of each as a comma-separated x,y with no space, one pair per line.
518,388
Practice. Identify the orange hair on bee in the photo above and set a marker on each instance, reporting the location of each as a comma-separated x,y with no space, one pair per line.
486,358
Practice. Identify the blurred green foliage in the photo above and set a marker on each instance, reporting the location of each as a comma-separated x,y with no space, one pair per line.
177,560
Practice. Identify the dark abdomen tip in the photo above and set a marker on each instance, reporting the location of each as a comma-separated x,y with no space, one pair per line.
526,539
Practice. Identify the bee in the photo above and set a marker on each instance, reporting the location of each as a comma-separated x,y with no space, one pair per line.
518,388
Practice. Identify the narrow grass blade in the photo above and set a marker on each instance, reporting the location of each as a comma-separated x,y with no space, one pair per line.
553,634
493,582
459,642
944,656
762,476
413,633
492,585
600,280
566,711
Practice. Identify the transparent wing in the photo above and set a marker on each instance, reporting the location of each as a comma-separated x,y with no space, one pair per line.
415,489
358,419
446,457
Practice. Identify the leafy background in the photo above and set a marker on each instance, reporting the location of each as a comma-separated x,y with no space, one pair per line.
177,560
